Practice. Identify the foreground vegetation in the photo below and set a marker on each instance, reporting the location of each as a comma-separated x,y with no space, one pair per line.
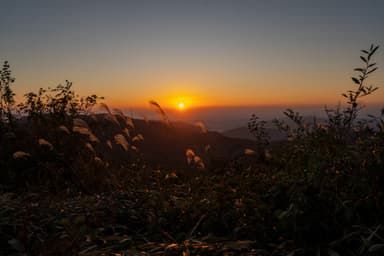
319,193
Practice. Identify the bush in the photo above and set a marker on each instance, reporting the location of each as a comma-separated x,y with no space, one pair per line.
333,170
319,193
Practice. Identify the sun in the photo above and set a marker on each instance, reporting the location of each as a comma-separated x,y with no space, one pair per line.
181,105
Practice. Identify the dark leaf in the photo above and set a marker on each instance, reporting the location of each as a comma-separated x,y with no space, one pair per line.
363,59
374,50
376,248
372,70
355,80
333,253
16,245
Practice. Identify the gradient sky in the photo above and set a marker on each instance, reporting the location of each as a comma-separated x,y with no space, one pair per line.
204,52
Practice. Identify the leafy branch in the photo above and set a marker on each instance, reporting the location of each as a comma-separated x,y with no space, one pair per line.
352,96
6,94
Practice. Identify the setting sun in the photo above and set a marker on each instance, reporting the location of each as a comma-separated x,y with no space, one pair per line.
181,105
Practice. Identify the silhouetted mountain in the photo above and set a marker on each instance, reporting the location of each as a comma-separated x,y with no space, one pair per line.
163,145
166,144
243,133
274,134
120,141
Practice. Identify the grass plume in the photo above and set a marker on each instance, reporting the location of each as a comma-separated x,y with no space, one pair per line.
160,111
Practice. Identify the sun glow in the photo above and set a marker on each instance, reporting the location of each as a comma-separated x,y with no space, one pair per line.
181,105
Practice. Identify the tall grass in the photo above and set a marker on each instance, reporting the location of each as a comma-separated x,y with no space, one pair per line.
319,193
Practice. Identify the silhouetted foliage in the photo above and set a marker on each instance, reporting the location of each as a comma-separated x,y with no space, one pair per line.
75,183
6,95
332,171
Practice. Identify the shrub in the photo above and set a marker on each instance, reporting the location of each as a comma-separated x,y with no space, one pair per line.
333,169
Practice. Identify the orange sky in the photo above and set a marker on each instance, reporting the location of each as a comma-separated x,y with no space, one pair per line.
204,53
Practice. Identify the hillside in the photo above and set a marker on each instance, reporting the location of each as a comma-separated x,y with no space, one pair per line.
73,182
243,133
165,145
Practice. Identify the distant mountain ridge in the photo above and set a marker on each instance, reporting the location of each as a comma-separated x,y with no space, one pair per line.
164,144
244,133
274,134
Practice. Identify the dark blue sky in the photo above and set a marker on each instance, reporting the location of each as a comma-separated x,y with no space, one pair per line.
207,52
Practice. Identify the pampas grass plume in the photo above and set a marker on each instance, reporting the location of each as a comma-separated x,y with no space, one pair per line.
45,143
120,140
20,154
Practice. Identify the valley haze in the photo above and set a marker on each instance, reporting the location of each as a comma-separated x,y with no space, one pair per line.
225,118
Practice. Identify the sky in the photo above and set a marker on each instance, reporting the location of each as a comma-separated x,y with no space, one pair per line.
200,52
